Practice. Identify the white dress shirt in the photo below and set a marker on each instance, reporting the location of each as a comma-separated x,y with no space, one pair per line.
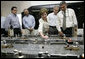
2,21
71,19
43,25
53,20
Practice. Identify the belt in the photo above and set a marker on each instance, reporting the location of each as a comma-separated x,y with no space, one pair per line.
53,26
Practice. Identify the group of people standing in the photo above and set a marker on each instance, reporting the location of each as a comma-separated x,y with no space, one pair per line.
58,22
55,23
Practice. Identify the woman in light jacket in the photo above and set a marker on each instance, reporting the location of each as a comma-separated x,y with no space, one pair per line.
43,24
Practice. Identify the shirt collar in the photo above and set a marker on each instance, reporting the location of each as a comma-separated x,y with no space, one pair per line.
43,20
27,15
14,14
65,10
54,14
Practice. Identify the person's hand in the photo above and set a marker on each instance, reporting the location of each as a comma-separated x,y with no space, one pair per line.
60,33
30,29
75,26
22,31
8,32
75,29
45,37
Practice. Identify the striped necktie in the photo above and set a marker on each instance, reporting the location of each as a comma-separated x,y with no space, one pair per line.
64,20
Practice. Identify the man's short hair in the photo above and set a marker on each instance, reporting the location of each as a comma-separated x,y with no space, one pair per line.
63,2
25,9
56,7
13,7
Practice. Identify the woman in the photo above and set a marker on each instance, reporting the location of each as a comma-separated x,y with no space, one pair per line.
43,24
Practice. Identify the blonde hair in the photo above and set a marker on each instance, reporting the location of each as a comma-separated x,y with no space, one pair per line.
43,10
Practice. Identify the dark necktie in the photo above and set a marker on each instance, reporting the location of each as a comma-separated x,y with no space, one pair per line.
64,21
15,15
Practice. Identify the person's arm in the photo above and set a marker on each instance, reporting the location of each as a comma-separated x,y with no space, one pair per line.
48,19
74,18
58,25
3,22
7,23
58,22
40,30
25,23
19,22
33,20
43,36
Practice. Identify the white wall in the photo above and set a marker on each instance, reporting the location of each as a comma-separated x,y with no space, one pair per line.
6,6
33,3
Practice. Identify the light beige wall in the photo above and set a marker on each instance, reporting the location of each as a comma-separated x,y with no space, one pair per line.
33,3
6,6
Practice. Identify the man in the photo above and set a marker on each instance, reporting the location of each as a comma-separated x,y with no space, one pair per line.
28,22
12,22
54,26
67,19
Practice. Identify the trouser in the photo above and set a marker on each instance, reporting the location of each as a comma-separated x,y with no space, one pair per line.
2,31
5,33
10,32
17,31
67,31
53,30
27,32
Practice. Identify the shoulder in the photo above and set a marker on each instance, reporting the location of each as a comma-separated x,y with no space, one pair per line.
70,9
59,13
9,16
31,16
24,17
50,14
40,20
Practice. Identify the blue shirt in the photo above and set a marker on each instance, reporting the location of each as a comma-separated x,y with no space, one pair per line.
12,20
2,21
29,21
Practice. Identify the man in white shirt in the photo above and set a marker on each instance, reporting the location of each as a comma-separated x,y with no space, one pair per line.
67,19
54,27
